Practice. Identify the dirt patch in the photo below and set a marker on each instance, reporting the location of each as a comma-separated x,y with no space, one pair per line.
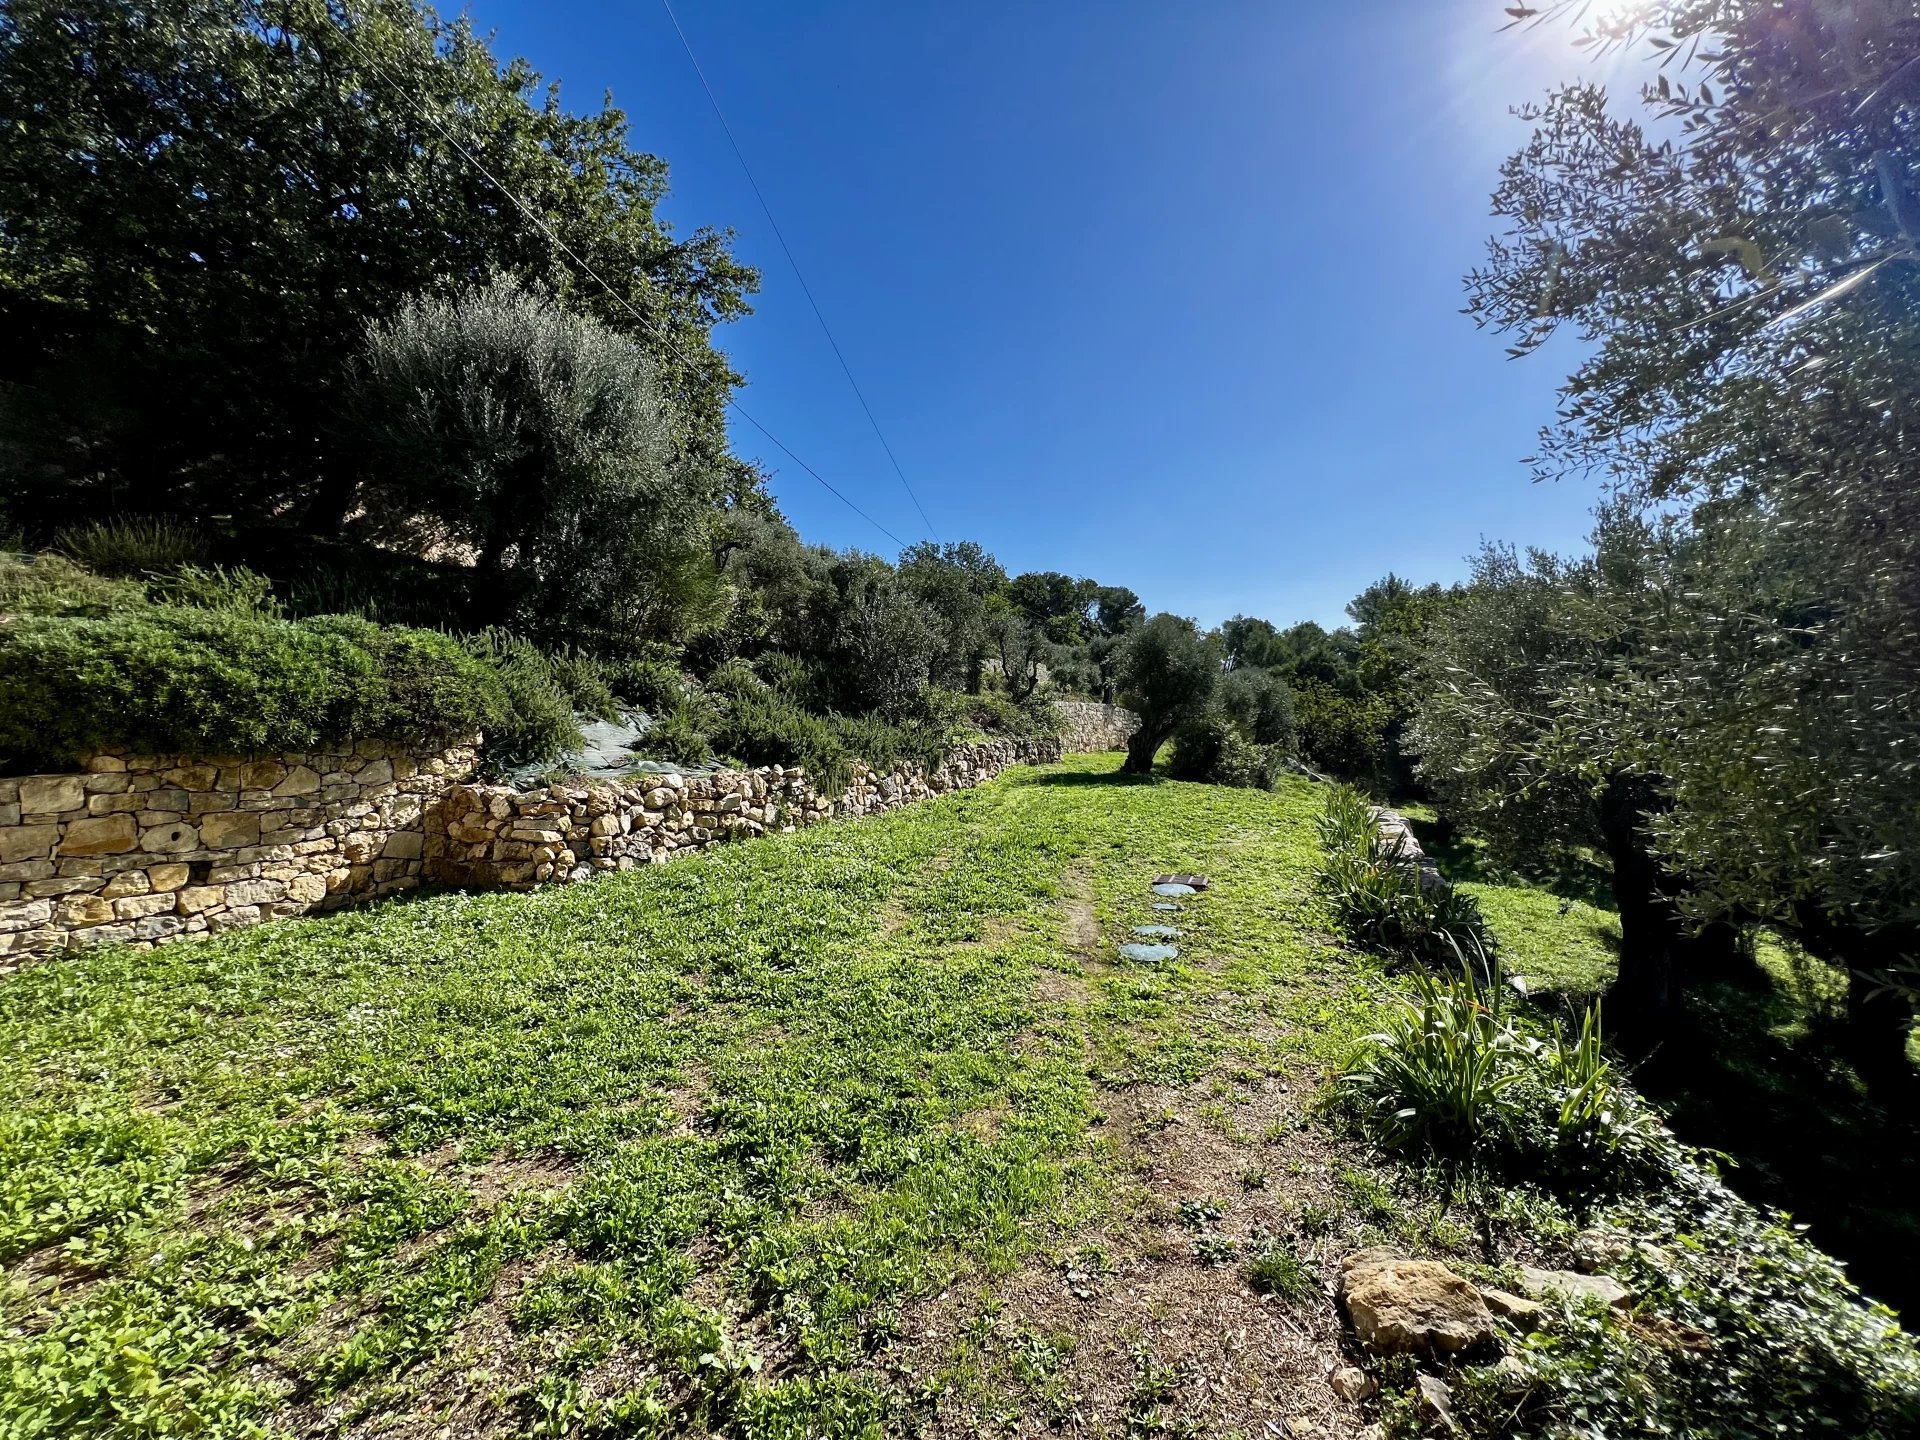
1079,929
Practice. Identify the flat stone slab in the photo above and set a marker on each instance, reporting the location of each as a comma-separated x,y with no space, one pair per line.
1166,906
1169,887
1149,954
1197,882
1539,1284
1156,932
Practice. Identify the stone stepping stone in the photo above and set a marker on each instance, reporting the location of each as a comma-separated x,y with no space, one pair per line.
1156,932
1167,906
1168,887
1149,954
1196,882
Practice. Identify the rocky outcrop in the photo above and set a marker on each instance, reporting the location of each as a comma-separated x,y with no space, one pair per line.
1418,1307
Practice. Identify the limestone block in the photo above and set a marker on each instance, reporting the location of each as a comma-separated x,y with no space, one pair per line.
51,794
299,780
136,907
79,910
170,876
197,898
193,777
27,842
169,837
403,845
100,835
230,919
255,892
229,830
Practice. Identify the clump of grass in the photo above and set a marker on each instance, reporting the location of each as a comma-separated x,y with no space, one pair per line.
1377,894
126,547
1277,1270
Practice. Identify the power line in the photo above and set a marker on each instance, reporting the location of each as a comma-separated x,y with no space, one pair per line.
622,300
786,249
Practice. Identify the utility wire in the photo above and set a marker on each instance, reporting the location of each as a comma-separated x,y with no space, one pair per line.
657,329
805,288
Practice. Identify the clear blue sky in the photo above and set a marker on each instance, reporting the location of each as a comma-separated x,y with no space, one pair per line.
1165,294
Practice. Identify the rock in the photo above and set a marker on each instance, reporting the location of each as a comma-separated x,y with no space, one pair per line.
50,794
1597,1249
1402,1306
1352,1384
1513,1376
1436,1399
1665,1334
101,835
230,829
1524,1313
1572,1285
169,837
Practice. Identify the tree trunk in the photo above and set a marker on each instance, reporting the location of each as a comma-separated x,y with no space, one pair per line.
1878,1017
1142,746
1641,996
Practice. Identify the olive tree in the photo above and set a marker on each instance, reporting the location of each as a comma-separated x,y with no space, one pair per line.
500,426
1167,675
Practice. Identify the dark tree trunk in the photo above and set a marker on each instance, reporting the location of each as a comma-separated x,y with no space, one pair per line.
1142,746
1641,997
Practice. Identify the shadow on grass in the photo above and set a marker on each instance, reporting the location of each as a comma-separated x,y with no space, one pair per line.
1745,1073
1084,777
1461,858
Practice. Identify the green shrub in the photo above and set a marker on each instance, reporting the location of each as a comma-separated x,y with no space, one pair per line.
680,730
544,693
769,729
734,678
52,584
1260,706
216,587
1377,894
650,684
129,546
167,679
1211,750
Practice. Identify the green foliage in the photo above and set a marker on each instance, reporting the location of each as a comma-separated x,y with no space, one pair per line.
1210,749
1167,675
1278,1270
216,587
128,547
544,692
1344,734
1377,894
537,439
1261,706
51,584
195,350
168,680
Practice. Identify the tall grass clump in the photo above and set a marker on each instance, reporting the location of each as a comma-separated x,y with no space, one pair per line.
1377,895
124,547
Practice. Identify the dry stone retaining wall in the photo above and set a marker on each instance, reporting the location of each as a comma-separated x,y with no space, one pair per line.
1089,725
494,836
145,849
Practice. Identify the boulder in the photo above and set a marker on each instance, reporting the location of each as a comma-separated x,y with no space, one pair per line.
1526,1314
1436,1399
1403,1306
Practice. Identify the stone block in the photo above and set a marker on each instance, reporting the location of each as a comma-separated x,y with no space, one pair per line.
52,794
298,781
197,898
168,877
100,835
83,910
101,935
106,764
230,829
255,892
307,889
136,907
70,885
127,882
376,772
403,845
231,919
158,927
105,784
27,842
193,777
203,802
29,915
169,838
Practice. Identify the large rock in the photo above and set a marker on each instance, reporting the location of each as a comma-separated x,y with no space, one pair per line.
1402,1306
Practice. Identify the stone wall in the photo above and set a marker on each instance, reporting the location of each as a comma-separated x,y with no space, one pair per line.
1093,726
145,849
492,835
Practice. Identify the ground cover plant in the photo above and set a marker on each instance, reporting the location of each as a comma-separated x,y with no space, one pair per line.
866,1130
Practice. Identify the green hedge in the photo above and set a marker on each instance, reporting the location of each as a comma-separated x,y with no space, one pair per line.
168,679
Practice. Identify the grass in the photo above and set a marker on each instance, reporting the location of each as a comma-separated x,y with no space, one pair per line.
861,1131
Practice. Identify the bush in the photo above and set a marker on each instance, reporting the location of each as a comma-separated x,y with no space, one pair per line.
1167,675
1261,706
165,680
127,547
1450,1076
545,691
1377,894
769,729
52,584
217,588
1211,750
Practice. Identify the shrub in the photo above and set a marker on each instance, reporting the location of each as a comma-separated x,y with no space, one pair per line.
1210,749
166,679
1260,705
1167,674
544,693
1377,894
680,730
650,683
129,546
52,584
217,588
769,729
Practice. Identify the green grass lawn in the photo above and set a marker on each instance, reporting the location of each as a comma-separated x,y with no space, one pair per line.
864,1130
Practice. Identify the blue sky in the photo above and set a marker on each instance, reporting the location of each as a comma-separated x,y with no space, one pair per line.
1165,294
